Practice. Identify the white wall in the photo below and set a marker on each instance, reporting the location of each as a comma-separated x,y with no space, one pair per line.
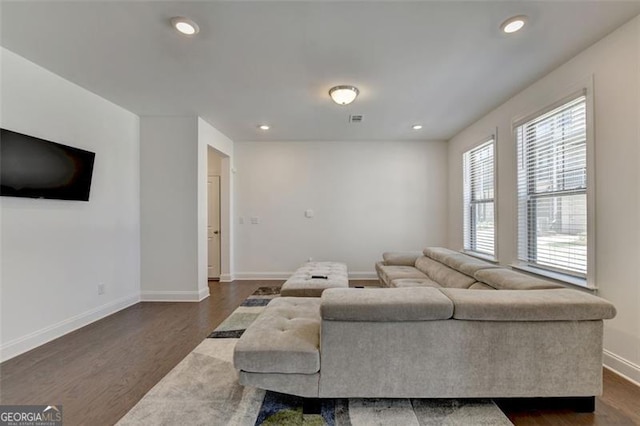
169,209
368,197
210,138
614,64
173,205
55,253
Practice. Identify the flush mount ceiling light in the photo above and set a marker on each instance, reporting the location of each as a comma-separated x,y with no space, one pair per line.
343,95
185,25
264,127
416,126
513,24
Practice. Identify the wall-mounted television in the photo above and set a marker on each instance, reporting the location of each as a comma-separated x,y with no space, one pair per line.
36,168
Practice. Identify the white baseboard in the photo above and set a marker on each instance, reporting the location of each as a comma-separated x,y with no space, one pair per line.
226,278
622,367
33,340
174,296
242,276
203,294
284,275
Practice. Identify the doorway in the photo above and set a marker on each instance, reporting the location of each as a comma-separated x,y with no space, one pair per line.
214,162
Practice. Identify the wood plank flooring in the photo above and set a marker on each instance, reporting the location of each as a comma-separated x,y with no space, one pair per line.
619,405
101,371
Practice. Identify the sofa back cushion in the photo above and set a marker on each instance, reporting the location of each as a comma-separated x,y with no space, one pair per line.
507,279
442,274
542,305
401,258
385,304
460,262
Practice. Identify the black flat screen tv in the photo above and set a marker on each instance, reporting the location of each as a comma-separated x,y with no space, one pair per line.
35,168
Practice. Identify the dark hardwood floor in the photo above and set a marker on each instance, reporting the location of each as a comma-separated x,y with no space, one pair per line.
100,371
619,405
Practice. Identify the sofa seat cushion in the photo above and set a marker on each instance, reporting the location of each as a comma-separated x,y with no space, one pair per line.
442,274
507,279
285,338
393,272
468,265
522,305
480,286
414,282
385,304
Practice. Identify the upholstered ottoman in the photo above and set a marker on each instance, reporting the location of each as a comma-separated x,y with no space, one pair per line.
281,347
311,279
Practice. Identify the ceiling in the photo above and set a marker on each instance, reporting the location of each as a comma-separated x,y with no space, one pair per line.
442,64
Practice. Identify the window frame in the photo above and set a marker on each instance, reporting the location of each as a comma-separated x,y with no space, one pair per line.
588,280
467,204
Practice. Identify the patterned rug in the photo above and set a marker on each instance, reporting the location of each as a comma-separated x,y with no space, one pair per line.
203,389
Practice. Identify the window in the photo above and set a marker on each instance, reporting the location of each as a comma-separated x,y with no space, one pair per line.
552,189
479,226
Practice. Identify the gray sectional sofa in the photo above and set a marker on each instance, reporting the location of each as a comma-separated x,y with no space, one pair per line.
438,334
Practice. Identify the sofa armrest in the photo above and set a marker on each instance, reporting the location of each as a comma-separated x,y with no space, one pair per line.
385,304
528,305
405,258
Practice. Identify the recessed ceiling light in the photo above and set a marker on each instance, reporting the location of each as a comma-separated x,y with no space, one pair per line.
513,24
185,25
416,126
264,127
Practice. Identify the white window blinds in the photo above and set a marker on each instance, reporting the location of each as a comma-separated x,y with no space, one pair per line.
479,226
552,189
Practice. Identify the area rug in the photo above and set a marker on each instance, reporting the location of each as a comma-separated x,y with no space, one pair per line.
203,389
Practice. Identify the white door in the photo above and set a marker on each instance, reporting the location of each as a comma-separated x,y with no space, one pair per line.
214,226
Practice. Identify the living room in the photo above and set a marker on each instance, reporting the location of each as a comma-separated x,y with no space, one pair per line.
141,101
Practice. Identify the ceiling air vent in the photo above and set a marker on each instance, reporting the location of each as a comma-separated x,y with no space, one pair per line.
356,118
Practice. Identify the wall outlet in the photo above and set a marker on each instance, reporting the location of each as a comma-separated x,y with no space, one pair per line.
100,289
